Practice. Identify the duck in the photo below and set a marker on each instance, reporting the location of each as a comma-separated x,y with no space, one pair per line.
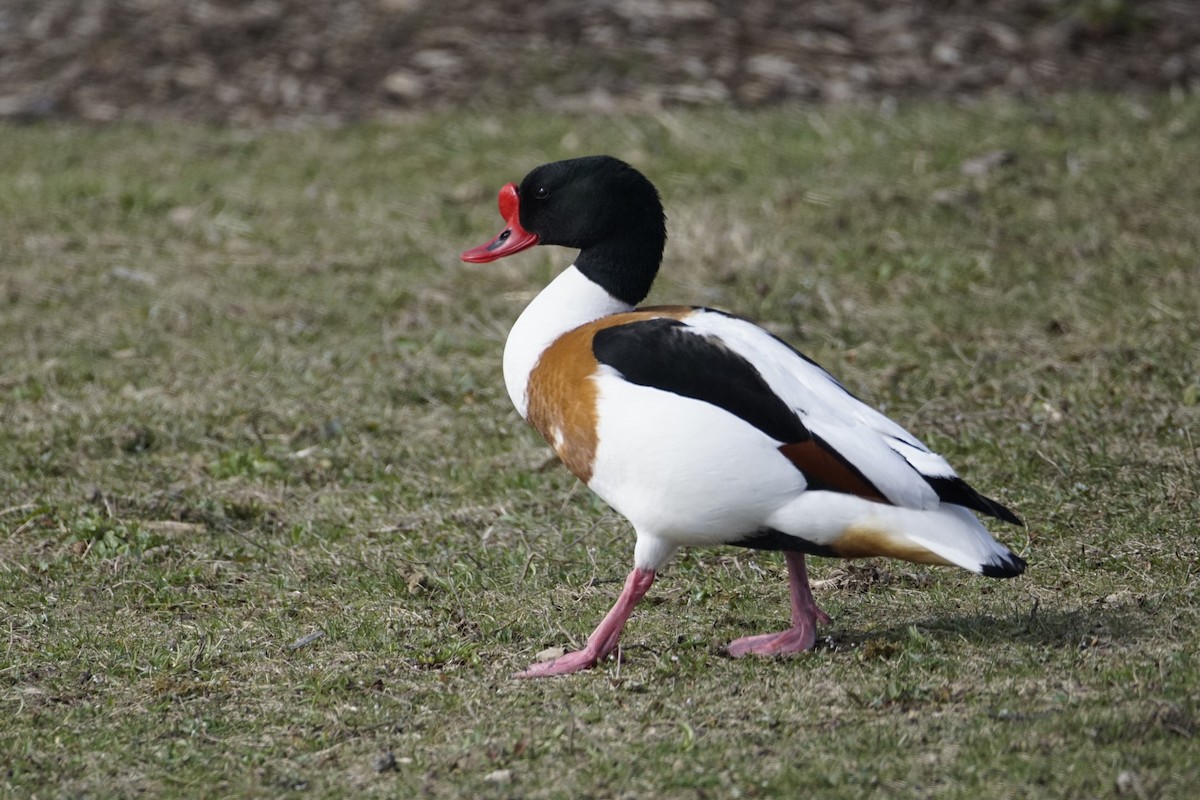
702,428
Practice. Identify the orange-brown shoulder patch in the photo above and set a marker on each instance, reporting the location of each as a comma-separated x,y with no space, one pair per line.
562,393
863,541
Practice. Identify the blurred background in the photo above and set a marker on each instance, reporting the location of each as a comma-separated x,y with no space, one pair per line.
286,62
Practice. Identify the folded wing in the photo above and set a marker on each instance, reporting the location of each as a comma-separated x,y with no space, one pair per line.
838,442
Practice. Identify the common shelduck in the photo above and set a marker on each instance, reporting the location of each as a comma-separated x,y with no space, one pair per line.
702,428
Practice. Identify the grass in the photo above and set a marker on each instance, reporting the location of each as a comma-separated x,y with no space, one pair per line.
250,396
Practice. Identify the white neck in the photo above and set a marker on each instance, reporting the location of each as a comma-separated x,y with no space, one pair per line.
569,301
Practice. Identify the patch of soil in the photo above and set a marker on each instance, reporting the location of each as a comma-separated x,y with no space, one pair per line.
285,61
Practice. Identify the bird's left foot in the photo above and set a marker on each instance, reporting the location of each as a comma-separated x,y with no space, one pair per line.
796,639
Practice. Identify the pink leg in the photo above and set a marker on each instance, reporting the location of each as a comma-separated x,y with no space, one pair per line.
604,639
805,616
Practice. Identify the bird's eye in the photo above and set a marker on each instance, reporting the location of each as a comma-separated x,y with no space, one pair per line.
541,193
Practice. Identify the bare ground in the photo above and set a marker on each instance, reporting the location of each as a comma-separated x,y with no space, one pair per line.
294,61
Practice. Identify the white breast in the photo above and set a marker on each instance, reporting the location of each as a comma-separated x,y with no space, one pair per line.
569,301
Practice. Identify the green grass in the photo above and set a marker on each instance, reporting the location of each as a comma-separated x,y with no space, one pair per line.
250,395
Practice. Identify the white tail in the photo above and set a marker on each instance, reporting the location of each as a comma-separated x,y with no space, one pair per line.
853,527
955,534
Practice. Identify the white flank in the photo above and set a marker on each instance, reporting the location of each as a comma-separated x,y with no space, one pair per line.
684,472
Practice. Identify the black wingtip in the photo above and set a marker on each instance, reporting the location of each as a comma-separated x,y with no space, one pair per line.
960,493
1007,566
1002,512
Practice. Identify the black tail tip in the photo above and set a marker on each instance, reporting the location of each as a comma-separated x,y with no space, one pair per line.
1008,566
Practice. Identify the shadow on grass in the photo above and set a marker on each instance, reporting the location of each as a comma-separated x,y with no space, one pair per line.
1082,628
